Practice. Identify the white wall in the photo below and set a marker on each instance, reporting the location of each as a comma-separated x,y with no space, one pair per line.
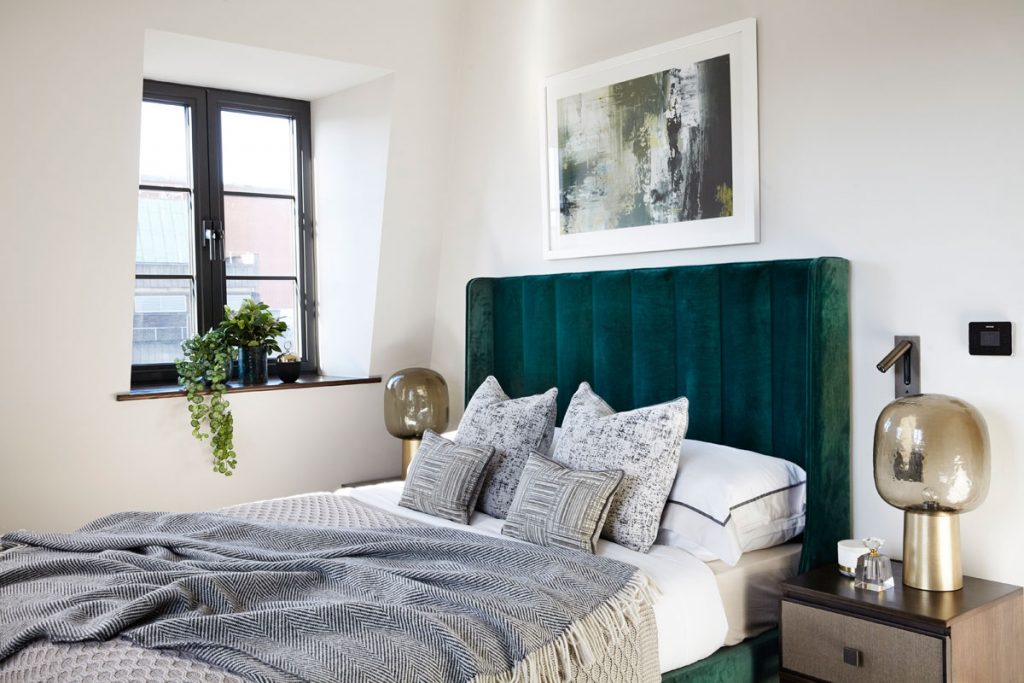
71,78
890,135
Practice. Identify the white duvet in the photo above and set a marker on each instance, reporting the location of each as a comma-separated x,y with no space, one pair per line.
689,610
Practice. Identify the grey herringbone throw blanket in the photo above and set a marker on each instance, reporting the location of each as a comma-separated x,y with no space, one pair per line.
276,601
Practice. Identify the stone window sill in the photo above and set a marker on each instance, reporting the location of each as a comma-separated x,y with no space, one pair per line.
304,382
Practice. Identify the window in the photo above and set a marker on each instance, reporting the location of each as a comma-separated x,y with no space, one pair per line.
224,215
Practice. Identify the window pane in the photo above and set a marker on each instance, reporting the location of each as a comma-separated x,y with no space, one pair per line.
163,243
280,295
259,236
165,150
259,153
164,317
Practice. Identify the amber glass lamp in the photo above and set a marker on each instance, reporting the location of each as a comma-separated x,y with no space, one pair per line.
932,461
415,400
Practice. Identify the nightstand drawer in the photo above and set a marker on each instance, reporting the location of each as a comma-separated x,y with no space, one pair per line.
840,648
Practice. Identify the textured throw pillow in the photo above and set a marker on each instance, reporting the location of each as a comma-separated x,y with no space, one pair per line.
515,427
444,478
643,443
727,501
556,506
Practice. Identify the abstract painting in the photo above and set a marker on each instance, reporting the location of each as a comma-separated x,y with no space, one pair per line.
659,159
654,149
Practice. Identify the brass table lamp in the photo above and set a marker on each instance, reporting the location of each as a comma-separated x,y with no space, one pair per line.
932,461
415,400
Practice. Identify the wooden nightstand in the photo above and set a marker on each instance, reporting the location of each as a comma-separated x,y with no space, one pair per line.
831,631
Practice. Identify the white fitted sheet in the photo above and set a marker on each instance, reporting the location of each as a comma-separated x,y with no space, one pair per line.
689,611
750,590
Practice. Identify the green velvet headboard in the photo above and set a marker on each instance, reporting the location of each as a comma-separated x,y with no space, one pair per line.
761,350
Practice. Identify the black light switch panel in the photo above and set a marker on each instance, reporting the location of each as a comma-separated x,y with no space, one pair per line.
990,339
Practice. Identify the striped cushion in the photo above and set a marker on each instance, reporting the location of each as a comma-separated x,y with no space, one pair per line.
556,506
444,478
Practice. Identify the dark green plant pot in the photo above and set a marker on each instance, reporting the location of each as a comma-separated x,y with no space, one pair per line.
288,372
252,365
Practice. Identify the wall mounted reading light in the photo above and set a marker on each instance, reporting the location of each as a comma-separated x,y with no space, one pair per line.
907,353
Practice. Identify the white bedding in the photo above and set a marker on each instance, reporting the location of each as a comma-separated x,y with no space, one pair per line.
689,610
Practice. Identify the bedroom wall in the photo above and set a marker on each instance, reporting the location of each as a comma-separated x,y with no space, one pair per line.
889,134
72,83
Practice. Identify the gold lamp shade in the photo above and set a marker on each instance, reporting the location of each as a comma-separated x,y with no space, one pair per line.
932,461
415,400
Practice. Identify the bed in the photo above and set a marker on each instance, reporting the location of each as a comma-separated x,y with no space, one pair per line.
761,350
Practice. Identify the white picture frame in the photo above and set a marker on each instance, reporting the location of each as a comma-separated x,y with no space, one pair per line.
577,231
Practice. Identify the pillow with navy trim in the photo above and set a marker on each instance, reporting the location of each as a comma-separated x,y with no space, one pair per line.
643,443
727,501
556,506
514,427
444,478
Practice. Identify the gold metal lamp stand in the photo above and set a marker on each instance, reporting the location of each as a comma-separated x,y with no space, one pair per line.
409,448
931,551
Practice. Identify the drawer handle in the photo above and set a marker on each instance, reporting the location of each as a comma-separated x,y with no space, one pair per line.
853,656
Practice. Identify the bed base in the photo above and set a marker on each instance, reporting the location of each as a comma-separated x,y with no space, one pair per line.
755,660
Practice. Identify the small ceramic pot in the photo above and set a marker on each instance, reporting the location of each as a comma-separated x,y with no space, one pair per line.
288,372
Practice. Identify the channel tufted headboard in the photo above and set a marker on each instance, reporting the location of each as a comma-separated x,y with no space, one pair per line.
760,349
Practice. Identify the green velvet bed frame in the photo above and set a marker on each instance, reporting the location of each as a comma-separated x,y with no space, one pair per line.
761,350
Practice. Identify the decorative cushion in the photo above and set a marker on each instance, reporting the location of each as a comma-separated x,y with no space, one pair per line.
515,427
726,501
445,477
556,506
643,443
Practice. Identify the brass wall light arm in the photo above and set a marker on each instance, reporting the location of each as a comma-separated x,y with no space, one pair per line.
890,358
906,352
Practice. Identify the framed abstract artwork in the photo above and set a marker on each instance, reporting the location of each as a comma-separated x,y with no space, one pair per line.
656,149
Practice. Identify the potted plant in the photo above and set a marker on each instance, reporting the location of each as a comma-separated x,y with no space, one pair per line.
203,372
254,330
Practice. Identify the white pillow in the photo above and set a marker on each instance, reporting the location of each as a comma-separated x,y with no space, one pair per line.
726,501
554,440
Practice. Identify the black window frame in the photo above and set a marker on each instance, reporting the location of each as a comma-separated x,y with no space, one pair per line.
206,105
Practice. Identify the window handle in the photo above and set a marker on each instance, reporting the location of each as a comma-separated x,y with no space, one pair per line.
213,234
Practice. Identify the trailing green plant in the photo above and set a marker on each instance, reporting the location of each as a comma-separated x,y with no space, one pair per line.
252,325
204,372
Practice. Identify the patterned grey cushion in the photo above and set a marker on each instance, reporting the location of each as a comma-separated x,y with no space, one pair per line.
444,478
515,427
643,443
556,506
